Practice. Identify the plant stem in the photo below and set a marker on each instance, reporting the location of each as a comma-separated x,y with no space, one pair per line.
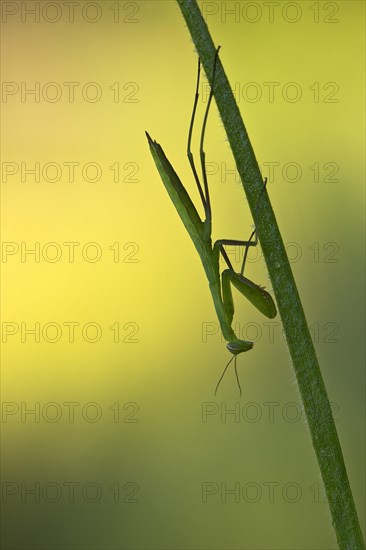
313,393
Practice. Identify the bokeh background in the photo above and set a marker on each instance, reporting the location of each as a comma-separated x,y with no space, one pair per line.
112,437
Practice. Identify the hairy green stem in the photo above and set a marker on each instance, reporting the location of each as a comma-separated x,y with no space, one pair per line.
313,393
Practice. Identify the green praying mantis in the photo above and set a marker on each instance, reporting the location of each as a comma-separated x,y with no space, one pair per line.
200,233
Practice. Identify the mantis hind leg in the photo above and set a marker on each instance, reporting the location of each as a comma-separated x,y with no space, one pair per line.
189,152
204,192
202,152
252,241
254,233
219,245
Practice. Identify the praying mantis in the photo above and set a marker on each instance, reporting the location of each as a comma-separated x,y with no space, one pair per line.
200,233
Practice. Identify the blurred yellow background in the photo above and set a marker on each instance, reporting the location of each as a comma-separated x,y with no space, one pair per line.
127,447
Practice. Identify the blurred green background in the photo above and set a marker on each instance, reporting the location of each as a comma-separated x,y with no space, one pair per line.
126,447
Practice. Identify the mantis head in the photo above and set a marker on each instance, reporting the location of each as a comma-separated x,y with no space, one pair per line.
239,346
235,347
